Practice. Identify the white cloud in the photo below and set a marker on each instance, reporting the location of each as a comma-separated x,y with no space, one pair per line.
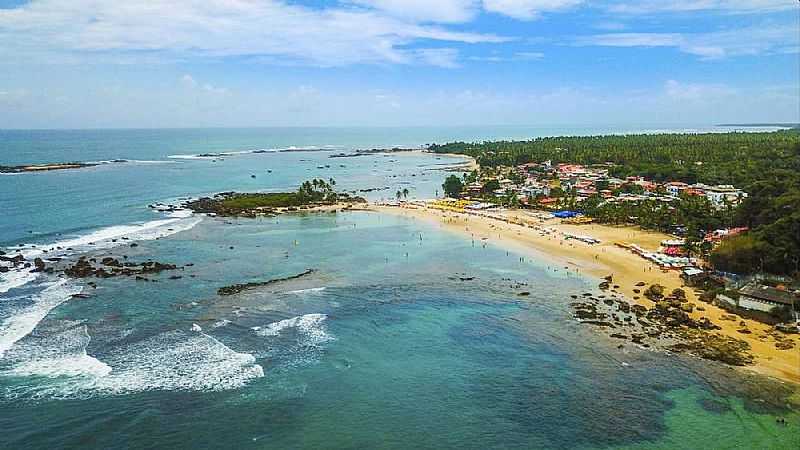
731,6
697,92
440,57
757,40
442,11
527,9
218,28
189,81
518,56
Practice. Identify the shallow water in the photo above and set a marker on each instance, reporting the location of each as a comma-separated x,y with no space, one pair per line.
383,346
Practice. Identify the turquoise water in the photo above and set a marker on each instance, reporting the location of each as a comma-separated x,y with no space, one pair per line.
383,346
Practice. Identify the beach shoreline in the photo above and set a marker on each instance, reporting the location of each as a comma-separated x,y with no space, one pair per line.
601,260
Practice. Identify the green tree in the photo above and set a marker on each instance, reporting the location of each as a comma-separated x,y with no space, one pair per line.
452,186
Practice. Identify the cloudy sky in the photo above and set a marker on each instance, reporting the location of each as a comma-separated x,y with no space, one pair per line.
184,63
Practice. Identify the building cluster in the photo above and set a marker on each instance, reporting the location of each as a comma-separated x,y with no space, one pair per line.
544,181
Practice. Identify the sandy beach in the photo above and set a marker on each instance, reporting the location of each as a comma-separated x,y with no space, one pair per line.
605,258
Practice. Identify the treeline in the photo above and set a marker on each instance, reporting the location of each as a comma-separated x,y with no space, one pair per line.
711,158
765,165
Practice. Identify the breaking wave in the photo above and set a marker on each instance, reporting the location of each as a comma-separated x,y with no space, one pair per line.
216,155
16,278
112,236
310,328
171,361
22,320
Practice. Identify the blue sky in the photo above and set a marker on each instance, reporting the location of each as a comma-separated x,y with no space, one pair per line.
183,63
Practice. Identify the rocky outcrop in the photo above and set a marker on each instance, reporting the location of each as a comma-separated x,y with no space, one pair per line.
667,325
112,267
237,288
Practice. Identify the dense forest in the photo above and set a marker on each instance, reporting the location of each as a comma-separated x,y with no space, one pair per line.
765,165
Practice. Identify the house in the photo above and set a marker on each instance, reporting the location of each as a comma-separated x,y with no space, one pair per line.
719,195
692,276
474,188
675,188
764,298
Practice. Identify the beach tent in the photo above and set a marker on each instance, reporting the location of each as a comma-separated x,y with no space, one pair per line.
565,214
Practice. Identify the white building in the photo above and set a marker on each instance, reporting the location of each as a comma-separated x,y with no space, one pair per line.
764,298
719,195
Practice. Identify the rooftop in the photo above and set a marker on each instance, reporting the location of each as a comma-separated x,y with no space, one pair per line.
768,293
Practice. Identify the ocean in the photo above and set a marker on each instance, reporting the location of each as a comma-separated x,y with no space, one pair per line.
403,336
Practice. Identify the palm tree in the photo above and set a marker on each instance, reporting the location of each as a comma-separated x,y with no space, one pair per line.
398,194
405,193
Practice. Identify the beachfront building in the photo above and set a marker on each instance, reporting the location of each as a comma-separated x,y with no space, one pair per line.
758,297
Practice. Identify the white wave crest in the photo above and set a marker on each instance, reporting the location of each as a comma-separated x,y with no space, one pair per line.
113,236
16,278
60,354
178,361
310,326
307,291
23,321
171,361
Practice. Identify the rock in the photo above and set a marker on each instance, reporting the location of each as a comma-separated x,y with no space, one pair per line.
687,307
109,261
641,283
655,292
525,294
599,323
618,336
38,265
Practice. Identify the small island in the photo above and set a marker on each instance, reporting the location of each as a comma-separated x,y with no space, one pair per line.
45,167
316,194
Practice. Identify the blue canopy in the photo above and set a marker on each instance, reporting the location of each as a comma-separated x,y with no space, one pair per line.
565,214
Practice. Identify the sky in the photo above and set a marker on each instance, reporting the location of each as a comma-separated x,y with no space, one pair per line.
226,63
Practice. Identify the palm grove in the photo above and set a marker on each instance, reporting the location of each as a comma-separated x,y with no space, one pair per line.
766,165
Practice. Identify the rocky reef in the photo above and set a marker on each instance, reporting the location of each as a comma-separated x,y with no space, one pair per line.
667,325
237,288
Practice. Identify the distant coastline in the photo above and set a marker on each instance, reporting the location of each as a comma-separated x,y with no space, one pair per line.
760,125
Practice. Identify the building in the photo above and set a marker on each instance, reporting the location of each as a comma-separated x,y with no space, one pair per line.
765,298
675,188
719,195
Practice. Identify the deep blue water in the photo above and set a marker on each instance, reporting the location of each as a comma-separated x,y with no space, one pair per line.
383,346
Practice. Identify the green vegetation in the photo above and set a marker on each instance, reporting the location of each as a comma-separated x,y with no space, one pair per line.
711,158
452,186
765,165
249,204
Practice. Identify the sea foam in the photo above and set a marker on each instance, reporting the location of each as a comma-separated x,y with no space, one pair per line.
15,278
311,328
62,353
112,236
23,320
170,361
